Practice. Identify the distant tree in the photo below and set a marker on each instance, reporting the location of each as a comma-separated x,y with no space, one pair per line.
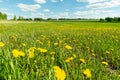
14,18
38,19
109,19
102,20
3,16
21,18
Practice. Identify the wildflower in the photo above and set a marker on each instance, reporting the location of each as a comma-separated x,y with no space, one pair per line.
82,60
31,52
87,73
69,59
55,44
105,63
52,53
59,73
52,58
74,56
42,50
68,47
1,44
93,54
21,53
107,52
15,53
119,75
23,44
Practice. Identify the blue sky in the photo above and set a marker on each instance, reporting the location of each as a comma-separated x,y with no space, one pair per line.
61,8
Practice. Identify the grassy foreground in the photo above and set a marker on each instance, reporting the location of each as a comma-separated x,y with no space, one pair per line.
59,51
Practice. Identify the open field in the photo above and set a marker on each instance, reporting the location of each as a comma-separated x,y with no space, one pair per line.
59,50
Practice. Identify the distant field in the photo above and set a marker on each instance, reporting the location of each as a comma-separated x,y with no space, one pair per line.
80,50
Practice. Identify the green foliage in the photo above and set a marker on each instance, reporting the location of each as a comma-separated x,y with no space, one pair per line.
3,16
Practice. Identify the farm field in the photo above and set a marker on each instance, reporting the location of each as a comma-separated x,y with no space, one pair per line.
59,51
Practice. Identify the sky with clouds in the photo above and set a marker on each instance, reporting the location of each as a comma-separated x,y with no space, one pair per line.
61,8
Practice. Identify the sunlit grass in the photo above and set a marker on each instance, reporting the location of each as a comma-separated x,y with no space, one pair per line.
80,50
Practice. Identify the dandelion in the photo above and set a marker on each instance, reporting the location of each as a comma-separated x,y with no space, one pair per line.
105,63
87,73
1,44
52,53
69,59
68,47
107,52
31,52
74,56
119,75
59,73
55,44
15,53
52,58
82,60
93,54
21,53
23,44
42,50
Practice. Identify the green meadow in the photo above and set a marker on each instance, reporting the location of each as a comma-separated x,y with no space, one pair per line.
82,50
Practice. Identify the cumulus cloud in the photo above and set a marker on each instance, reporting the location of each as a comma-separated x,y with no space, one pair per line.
56,0
40,1
102,5
26,8
91,13
91,1
3,9
46,10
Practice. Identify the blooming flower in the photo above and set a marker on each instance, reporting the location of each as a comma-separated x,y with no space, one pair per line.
15,53
59,73
31,52
82,60
52,53
1,44
87,73
104,63
42,50
68,47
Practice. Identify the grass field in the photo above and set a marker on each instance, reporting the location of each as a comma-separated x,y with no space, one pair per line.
59,51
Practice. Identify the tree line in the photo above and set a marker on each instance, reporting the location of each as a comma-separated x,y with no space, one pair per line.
110,19
3,16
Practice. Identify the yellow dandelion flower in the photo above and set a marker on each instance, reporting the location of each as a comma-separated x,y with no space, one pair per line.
74,56
119,75
52,53
68,47
31,52
31,55
93,54
15,53
55,44
42,50
105,63
21,53
1,44
59,73
52,58
87,73
67,60
107,52
82,60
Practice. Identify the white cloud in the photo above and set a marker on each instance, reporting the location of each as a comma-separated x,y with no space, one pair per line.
46,10
3,9
63,15
40,1
26,8
91,1
102,5
91,13
56,0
